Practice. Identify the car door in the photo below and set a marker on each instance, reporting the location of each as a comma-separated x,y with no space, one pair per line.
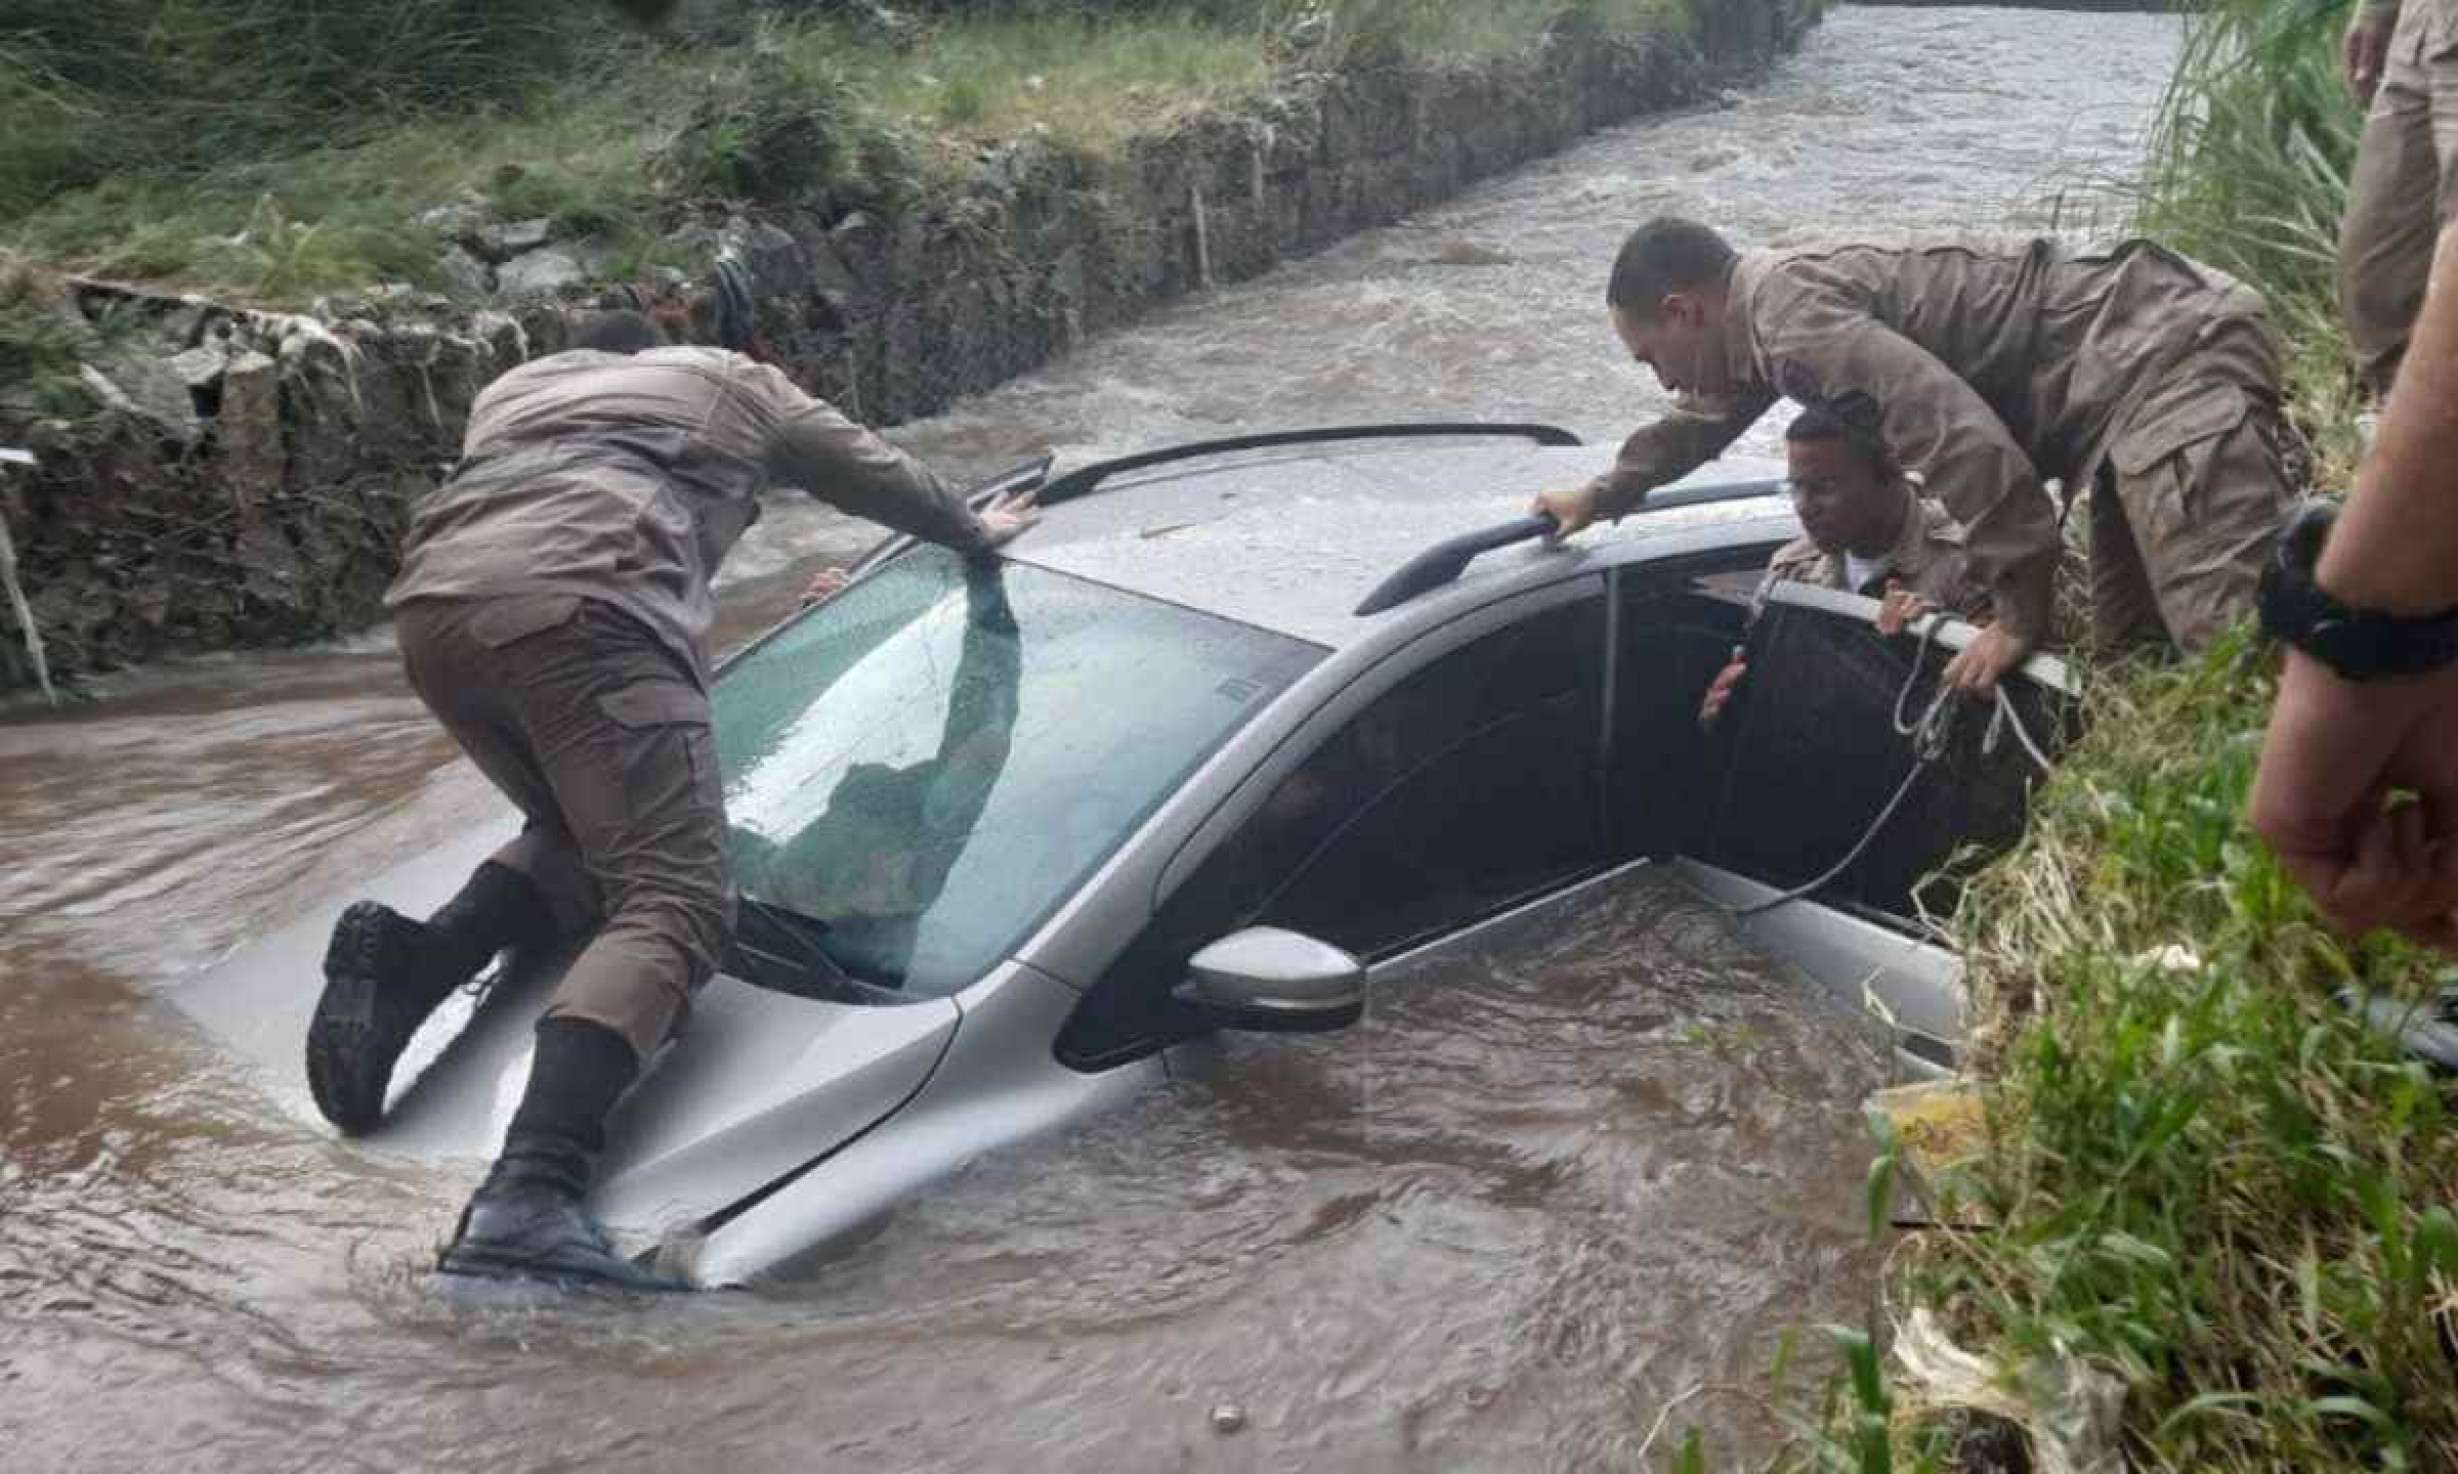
1809,757
1469,779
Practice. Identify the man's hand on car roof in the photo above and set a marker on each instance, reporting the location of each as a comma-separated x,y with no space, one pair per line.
1570,510
1003,523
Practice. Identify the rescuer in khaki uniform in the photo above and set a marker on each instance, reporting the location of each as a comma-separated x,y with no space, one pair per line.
1866,529
553,609
1994,364
2402,62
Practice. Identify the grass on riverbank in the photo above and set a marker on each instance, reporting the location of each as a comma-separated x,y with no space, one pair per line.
276,183
2205,1178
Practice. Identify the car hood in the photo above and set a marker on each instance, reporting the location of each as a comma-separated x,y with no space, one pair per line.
759,1085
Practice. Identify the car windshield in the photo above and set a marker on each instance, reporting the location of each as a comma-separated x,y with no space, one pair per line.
932,761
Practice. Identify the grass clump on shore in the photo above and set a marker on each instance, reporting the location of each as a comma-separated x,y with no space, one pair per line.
2203,1176
2206,1176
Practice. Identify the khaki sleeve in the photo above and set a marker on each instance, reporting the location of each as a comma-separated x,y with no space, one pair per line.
1937,425
1694,433
2378,10
811,446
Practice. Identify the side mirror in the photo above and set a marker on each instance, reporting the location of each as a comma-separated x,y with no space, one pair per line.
1273,981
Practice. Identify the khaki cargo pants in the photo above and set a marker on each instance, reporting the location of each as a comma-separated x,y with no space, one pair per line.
2403,190
2192,495
602,737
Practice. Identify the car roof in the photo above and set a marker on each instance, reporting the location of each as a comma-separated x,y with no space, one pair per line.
1291,540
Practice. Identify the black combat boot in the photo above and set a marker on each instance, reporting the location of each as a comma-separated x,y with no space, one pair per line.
384,973
526,1220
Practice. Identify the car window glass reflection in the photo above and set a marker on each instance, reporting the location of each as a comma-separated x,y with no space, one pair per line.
930,761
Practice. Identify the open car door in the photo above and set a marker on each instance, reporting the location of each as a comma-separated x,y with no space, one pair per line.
1842,776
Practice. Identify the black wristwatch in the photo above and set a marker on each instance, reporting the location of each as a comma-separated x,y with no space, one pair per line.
2360,644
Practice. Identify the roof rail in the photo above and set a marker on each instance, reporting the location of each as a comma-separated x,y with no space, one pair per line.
1445,561
1084,479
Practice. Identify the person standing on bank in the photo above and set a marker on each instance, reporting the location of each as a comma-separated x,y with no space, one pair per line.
1996,363
553,609
2402,64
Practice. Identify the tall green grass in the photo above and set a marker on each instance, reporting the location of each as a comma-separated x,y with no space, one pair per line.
2247,169
94,88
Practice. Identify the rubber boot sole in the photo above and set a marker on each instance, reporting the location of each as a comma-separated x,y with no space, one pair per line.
355,1039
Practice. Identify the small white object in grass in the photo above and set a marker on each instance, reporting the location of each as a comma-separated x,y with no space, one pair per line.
1227,1417
2174,957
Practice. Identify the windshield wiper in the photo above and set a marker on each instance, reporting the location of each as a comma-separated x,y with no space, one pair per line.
785,951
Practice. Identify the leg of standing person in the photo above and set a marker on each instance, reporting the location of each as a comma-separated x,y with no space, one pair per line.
2403,188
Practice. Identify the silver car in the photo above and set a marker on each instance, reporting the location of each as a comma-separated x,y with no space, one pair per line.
1007,836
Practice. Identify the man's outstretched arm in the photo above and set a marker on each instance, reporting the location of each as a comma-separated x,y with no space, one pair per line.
854,470
1695,431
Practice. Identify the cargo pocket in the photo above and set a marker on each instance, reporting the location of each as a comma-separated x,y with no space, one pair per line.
2163,464
646,712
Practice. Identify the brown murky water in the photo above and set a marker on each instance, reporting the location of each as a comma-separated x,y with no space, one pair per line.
1551,1189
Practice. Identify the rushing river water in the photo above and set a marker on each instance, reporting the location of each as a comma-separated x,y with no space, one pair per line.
1554,1195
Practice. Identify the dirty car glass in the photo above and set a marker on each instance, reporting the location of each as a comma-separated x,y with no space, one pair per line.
935,759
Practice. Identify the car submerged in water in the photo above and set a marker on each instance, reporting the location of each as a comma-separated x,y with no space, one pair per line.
1235,733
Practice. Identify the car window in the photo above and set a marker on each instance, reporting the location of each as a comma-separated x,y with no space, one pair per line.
931,761
1469,785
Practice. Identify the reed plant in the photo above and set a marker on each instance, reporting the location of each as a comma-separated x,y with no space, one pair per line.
2247,169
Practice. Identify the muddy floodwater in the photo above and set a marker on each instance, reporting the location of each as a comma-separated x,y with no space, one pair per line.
1563,1192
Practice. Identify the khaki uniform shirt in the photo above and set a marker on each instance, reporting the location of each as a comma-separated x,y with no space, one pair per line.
1927,558
626,478
1993,363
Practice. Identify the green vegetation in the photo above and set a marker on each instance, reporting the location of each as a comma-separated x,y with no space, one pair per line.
2203,1176
2247,170
284,148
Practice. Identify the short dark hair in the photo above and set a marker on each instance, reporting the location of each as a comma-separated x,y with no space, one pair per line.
1666,255
1854,422
616,332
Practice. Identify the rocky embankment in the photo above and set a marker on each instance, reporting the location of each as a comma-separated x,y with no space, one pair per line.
243,477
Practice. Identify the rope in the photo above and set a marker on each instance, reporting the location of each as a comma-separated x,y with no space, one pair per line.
1868,836
2007,715
1928,736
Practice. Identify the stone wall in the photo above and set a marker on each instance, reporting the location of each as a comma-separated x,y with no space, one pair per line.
250,476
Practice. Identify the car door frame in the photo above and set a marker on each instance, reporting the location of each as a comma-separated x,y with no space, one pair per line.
1113,915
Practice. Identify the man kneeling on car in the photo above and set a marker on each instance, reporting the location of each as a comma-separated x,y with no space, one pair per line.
1866,529
554,606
